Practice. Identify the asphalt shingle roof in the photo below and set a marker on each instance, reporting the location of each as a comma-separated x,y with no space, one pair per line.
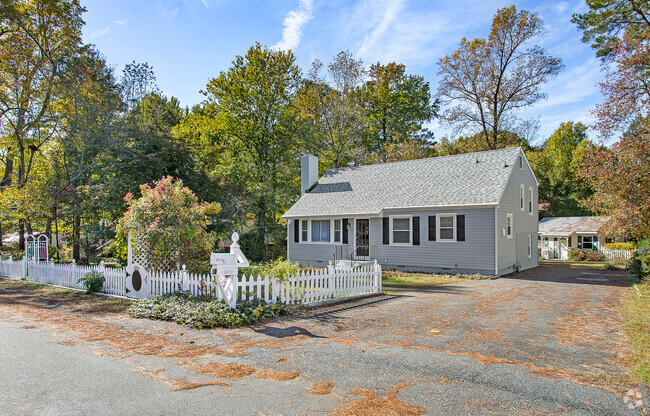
567,225
455,180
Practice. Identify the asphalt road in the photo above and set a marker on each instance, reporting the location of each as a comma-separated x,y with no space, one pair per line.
535,343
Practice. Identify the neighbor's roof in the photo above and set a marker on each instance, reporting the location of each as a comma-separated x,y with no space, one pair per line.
456,180
566,225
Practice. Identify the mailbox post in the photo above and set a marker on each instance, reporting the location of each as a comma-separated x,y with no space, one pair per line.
225,268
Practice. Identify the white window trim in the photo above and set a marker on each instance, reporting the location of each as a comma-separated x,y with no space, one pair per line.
410,218
530,246
455,230
512,226
531,206
332,231
522,199
331,240
308,231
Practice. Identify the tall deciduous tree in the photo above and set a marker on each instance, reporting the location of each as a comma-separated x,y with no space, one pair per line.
556,164
619,30
485,81
620,177
37,35
398,105
252,104
138,81
332,110
87,104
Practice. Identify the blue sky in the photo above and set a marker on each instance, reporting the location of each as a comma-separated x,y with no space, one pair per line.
190,41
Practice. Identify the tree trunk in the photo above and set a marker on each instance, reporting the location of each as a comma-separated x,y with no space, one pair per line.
21,234
48,228
0,234
261,226
56,228
9,168
76,238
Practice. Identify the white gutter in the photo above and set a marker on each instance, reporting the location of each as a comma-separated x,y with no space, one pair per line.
381,212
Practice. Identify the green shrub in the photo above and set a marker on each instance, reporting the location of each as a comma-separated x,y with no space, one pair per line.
252,245
640,263
93,281
616,264
619,246
202,312
279,268
11,250
577,254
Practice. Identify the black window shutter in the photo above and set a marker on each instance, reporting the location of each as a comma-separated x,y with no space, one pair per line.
296,231
416,231
432,228
386,230
460,228
344,230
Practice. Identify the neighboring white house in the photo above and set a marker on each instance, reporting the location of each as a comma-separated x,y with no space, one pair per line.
474,212
558,235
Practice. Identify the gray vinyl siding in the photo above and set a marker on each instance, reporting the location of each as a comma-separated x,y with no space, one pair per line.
513,251
315,254
474,255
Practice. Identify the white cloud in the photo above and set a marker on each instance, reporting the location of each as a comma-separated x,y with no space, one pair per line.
573,86
391,10
121,22
293,23
99,33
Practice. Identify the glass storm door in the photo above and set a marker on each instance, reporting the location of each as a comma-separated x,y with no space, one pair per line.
363,238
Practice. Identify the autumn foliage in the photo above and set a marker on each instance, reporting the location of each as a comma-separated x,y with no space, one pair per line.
620,177
169,224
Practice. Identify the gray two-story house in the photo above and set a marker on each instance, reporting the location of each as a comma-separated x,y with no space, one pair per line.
469,213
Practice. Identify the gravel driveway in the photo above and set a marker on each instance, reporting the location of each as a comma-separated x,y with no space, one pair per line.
545,341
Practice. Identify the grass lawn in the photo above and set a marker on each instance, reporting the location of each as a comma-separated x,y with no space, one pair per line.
637,323
87,303
394,278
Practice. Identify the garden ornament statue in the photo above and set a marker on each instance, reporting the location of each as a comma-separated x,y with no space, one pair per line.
225,270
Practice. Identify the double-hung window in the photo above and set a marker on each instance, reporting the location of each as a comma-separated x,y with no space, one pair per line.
446,227
400,230
320,231
530,246
337,231
521,197
588,242
304,230
530,201
509,225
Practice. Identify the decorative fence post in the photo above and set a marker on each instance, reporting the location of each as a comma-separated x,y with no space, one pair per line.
331,269
377,271
185,281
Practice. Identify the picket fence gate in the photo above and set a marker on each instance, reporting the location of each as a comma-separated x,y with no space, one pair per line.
305,288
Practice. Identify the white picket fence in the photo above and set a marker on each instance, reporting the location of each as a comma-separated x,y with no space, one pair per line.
13,268
305,288
617,253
